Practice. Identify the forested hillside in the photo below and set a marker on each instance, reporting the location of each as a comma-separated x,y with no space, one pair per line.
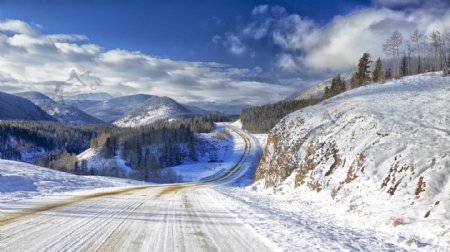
261,119
144,151
40,142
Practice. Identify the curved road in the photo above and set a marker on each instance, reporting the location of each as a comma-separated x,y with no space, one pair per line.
180,217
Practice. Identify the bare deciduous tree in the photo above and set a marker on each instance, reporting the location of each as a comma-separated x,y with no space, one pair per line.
415,38
392,47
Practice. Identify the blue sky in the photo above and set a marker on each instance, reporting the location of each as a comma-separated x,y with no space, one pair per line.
176,29
222,55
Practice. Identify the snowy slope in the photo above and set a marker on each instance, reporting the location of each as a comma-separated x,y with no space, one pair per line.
154,109
21,180
316,90
62,112
380,151
112,109
13,107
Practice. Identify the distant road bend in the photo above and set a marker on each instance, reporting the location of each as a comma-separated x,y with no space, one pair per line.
178,217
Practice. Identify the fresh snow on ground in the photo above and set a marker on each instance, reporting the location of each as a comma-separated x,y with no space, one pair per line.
226,151
21,181
377,157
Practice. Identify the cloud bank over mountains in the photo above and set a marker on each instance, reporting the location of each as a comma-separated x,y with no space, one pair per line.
32,60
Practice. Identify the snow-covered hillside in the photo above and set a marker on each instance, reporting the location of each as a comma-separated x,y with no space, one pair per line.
20,180
380,153
60,111
154,109
216,152
316,91
13,107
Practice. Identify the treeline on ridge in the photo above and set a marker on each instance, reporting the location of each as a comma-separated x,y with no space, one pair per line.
261,119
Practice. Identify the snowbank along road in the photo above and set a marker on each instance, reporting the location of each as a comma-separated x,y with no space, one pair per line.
178,217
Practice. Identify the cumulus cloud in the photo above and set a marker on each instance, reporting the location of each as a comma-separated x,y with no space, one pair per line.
30,60
232,42
304,46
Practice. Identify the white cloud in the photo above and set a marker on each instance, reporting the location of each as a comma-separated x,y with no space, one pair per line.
260,9
16,26
36,61
310,48
234,44
67,37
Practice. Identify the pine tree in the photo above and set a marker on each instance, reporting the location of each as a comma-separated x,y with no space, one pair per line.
377,74
327,93
337,87
363,73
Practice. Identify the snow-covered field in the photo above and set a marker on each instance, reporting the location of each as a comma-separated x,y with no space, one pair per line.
20,181
378,156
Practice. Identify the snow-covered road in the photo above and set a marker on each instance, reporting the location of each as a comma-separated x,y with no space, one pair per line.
177,217
157,218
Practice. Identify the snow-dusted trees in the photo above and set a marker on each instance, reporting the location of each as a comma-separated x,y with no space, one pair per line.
148,149
421,53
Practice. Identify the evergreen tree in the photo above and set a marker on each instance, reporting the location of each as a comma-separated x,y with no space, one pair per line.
363,73
377,74
337,87
327,93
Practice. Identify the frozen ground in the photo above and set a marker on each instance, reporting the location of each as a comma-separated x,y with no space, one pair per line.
22,181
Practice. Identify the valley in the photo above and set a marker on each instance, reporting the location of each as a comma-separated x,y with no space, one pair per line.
213,125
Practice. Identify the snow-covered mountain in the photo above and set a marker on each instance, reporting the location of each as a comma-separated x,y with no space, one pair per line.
13,107
60,111
316,91
112,109
99,96
381,151
153,109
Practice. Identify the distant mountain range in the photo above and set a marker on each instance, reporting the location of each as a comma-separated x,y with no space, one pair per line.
60,111
123,111
14,107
